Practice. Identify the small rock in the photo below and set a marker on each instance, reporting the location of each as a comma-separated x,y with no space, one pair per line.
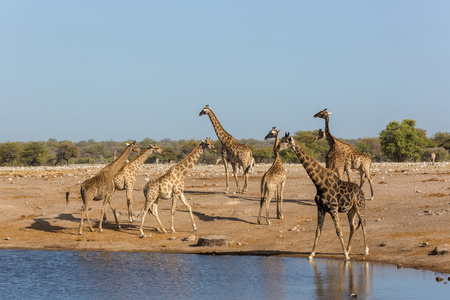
426,244
213,240
439,279
7,239
353,295
383,245
172,238
417,191
189,238
399,266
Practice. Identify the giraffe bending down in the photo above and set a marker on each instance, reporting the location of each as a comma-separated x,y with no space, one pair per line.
171,185
333,196
101,187
273,181
342,157
233,152
126,177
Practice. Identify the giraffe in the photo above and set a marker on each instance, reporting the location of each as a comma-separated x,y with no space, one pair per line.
273,181
171,185
342,157
233,152
126,177
101,187
333,196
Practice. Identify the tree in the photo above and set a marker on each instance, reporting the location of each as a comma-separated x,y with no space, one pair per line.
35,154
317,149
371,147
442,139
10,153
403,141
65,151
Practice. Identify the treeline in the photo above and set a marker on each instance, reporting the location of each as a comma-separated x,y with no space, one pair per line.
398,142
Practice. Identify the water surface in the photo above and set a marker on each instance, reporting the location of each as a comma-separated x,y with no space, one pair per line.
110,275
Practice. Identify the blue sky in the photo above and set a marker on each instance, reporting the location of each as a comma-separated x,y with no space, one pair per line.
119,70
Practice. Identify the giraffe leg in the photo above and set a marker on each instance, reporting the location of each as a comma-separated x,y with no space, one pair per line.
270,193
320,220
280,200
261,202
154,212
236,178
83,212
351,221
129,192
246,173
347,170
186,203
225,163
115,215
141,228
87,199
334,216
174,206
105,201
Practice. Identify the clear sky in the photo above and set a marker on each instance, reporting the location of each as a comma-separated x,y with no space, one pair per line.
119,70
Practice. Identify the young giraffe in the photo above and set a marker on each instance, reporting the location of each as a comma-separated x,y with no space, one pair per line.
233,152
273,181
171,185
101,187
126,177
333,196
342,157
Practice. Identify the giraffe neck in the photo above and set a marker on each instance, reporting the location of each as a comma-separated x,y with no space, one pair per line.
275,145
330,139
316,172
116,165
188,163
275,150
223,136
136,163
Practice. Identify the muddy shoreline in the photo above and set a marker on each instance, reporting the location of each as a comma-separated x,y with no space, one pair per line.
406,221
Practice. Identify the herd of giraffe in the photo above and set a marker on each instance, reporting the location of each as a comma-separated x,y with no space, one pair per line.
333,196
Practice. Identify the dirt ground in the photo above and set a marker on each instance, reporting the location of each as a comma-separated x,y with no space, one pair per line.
408,218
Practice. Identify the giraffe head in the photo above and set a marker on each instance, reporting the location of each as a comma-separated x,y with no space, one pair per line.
205,111
286,142
134,147
208,144
272,134
319,135
322,114
157,149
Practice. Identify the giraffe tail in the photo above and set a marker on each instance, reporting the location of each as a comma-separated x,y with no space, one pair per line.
68,193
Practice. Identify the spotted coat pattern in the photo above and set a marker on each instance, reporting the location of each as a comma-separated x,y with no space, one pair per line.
101,187
171,185
273,182
126,177
233,152
333,196
342,157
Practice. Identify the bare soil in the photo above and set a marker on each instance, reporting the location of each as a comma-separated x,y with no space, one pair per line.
406,221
